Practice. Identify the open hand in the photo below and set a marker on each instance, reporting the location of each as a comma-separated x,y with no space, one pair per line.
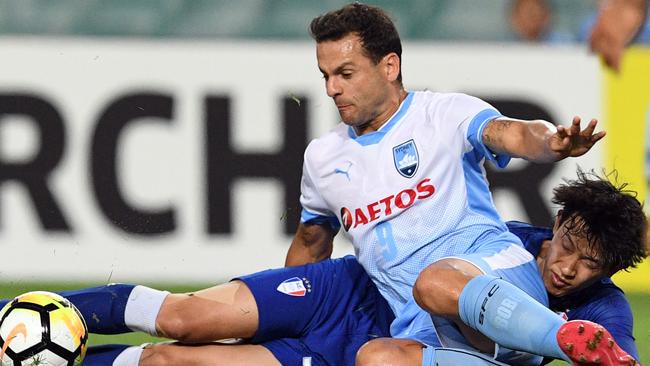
571,141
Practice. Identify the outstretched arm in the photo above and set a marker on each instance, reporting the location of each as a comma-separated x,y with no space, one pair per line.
312,243
538,140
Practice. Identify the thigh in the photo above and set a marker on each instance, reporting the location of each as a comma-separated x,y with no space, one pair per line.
330,308
225,311
334,296
207,355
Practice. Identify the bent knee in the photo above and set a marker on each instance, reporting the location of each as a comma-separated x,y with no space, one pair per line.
376,352
438,286
389,351
172,322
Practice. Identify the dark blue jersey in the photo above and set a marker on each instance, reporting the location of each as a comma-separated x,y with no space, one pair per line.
603,302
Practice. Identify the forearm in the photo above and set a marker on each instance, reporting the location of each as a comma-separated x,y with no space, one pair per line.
529,140
312,243
536,142
299,255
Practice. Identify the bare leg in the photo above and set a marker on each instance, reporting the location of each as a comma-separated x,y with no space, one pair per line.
220,312
525,325
438,288
207,355
390,351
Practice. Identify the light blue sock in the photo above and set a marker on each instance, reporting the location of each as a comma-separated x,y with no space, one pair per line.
509,316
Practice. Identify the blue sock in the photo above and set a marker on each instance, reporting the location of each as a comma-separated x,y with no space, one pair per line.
102,307
103,355
509,316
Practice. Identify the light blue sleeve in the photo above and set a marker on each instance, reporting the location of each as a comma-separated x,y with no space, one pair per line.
307,217
475,133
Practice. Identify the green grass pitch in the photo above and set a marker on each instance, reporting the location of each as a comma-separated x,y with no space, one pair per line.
640,306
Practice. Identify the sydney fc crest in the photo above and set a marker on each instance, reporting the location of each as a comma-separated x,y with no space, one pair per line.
406,158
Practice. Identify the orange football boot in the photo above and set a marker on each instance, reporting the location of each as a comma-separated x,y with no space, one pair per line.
588,344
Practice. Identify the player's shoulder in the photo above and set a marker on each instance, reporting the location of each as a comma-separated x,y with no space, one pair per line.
449,106
330,141
524,229
606,287
442,98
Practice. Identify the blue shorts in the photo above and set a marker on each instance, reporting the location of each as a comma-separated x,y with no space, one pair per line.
324,311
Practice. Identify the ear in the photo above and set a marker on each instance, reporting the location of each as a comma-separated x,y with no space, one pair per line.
558,218
391,66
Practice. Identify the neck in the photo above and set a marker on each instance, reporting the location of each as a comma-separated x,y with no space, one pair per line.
381,119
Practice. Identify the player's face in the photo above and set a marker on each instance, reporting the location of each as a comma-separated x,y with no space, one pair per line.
360,88
567,264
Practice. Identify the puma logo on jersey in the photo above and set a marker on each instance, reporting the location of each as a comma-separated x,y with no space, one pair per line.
345,172
351,218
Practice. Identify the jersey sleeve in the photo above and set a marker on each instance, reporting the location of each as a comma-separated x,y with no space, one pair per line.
314,207
472,115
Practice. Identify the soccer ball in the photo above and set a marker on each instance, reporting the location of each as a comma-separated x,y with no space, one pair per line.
41,329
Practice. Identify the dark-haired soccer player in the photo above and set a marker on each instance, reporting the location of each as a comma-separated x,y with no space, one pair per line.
324,312
599,230
414,201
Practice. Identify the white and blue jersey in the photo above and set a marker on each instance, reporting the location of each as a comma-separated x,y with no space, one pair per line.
412,192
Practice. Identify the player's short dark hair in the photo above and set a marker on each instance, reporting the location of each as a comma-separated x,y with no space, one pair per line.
374,27
608,215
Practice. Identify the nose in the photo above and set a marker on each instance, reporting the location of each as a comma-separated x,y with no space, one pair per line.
333,87
569,266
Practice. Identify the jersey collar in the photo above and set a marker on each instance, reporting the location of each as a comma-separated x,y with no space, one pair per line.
376,136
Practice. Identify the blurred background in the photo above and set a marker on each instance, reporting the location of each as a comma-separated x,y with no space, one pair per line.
161,141
426,20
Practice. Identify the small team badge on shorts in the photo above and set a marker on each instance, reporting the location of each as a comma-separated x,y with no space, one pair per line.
295,286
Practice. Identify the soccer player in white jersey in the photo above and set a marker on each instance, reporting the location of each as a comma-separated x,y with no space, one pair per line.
404,175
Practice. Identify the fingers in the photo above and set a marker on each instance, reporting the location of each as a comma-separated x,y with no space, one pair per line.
566,142
575,126
591,127
598,136
575,130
